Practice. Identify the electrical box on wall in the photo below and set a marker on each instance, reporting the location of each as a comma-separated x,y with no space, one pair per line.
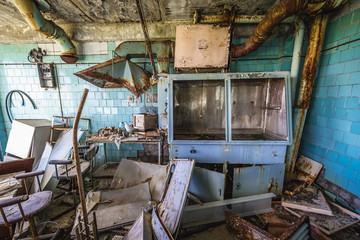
46,75
202,46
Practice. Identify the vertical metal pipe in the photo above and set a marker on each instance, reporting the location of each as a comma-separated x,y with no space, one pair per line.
147,39
77,162
296,58
306,86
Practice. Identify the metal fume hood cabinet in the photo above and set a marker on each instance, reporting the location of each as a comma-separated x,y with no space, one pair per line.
240,118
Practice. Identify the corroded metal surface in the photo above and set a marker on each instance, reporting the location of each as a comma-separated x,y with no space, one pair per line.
280,12
306,86
246,231
116,73
162,49
311,61
141,229
172,203
202,46
35,19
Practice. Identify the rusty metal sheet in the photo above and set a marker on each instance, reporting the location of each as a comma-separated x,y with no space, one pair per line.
258,179
202,46
247,231
141,229
172,203
207,185
118,73
130,173
160,231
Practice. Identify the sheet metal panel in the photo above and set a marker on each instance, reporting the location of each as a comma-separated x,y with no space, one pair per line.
215,152
258,179
173,201
202,46
207,185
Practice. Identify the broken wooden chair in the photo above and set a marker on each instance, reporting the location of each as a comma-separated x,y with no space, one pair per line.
66,170
25,208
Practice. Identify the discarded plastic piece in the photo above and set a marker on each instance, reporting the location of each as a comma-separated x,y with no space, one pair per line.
247,231
212,212
172,203
118,73
141,229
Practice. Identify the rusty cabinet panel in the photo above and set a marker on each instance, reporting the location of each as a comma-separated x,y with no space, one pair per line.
202,46
172,203
258,179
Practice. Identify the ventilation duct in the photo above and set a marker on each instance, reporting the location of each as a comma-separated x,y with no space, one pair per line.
30,11
279,13
121,72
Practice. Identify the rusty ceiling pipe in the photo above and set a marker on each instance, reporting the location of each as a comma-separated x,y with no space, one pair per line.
312,57
30,11
279,13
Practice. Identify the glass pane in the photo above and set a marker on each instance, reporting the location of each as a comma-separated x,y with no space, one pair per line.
258,109
199,110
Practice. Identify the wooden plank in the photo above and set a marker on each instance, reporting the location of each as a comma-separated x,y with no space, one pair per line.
172,203
342,219
308,201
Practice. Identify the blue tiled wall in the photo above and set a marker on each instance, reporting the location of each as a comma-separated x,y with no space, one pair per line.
332,131
105,107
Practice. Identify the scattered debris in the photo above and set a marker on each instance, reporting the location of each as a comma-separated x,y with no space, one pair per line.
341,219
306,171
309,200
247,231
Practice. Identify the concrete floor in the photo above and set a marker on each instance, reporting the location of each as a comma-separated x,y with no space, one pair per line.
214,233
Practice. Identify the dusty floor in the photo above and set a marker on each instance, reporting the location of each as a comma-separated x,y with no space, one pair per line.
214,233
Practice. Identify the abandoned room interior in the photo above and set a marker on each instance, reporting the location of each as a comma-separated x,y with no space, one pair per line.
180,119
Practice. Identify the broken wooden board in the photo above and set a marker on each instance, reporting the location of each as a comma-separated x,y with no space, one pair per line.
171,206
107,170
305,173
130,173
308,201
207,185
212,212
342,219
159,230
141,229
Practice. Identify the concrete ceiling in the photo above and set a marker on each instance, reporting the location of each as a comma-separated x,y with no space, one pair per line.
115,11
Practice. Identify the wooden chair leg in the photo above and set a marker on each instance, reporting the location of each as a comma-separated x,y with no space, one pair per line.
32,227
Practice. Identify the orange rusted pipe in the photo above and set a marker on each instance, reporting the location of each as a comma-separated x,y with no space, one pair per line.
280,12
312,57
